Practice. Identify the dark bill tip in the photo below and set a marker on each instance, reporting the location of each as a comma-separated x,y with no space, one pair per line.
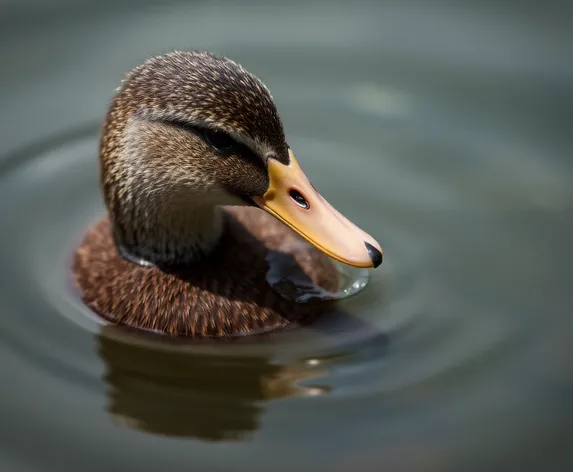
375,254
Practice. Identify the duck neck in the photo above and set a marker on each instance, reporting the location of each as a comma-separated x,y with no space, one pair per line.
173,235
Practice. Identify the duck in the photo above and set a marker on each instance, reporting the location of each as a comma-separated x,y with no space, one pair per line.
200,187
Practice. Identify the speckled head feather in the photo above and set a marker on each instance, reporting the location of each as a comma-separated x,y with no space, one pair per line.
160,177
211,89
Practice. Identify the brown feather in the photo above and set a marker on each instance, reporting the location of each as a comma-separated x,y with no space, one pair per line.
223,296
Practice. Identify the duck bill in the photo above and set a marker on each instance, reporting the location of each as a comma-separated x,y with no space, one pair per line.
292,199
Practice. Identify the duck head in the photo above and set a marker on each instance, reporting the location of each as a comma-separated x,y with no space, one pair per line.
189,132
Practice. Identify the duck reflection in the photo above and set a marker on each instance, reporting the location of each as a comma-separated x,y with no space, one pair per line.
161,386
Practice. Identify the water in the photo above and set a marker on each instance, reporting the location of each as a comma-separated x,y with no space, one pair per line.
285,276
442,130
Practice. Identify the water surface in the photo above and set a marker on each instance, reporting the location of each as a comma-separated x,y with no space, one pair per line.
443,131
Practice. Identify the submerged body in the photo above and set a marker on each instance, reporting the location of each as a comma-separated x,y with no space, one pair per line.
191,141
225,295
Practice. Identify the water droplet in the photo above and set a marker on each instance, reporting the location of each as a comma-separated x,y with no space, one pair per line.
289,281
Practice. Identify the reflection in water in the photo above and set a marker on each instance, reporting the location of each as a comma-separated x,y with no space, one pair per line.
159,385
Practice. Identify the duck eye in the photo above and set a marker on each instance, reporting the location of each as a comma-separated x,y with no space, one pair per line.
221,141
299,199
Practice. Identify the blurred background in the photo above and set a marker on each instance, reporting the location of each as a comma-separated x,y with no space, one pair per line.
511,56
443,128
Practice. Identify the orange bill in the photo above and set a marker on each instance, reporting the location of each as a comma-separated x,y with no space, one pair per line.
292,199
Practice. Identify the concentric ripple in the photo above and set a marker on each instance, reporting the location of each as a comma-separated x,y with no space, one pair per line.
392,319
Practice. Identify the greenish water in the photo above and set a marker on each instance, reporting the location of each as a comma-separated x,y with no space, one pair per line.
444,131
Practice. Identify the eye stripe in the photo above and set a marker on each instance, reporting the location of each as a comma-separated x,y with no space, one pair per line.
194,124
201,129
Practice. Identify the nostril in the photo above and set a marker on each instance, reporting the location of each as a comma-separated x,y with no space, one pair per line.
299,199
